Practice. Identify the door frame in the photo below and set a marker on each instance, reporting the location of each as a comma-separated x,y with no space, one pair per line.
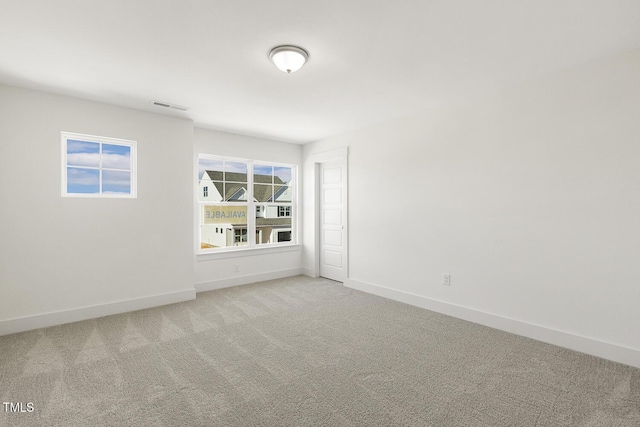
341,155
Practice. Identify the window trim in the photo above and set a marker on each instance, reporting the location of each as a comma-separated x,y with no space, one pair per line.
251,247
248,252
133,189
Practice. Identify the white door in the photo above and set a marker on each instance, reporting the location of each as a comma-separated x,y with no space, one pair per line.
333,220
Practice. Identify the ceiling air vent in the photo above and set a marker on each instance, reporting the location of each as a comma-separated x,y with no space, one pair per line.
167,105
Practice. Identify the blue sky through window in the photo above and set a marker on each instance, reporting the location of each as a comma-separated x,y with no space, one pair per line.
80,153
85,160
116,156
239,167
283,172
209,165
262,170
116,182
85,181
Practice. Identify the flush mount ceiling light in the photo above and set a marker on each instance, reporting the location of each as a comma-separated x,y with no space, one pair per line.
288,58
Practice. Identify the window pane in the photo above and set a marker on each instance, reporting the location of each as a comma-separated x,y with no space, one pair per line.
82,153
214,168
221,226
263,193
116,156
235,192
282,193
116,182
83,181
209,171
282,175
262,174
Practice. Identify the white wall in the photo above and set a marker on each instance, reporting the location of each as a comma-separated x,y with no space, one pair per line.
529,198
63,259
213,271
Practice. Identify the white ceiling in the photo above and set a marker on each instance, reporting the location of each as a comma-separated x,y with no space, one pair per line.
371,60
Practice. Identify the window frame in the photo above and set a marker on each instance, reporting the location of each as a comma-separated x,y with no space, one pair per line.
133,171
251,206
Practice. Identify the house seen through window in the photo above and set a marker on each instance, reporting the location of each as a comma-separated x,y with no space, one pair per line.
251,202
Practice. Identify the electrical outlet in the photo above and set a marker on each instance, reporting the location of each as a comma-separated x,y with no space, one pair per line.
446,279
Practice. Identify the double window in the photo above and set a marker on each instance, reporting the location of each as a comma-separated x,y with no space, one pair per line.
95,166
251,202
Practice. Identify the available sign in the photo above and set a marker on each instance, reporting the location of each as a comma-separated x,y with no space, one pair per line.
225,214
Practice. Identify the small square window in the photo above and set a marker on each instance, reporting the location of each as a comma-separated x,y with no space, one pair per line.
94,166
240,236
284,211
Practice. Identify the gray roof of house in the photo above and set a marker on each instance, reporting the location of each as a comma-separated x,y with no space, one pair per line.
262,189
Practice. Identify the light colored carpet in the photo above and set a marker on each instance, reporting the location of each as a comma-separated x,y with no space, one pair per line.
303,351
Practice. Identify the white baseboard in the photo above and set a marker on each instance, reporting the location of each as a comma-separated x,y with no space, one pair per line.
45,320
606,350
245,280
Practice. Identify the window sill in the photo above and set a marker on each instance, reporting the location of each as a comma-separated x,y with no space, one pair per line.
238,253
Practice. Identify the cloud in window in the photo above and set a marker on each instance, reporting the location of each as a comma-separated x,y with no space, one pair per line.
84,159
116,161
116,182
116,156
80,153
77,176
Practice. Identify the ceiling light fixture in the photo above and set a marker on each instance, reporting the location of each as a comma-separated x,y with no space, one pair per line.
288,58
